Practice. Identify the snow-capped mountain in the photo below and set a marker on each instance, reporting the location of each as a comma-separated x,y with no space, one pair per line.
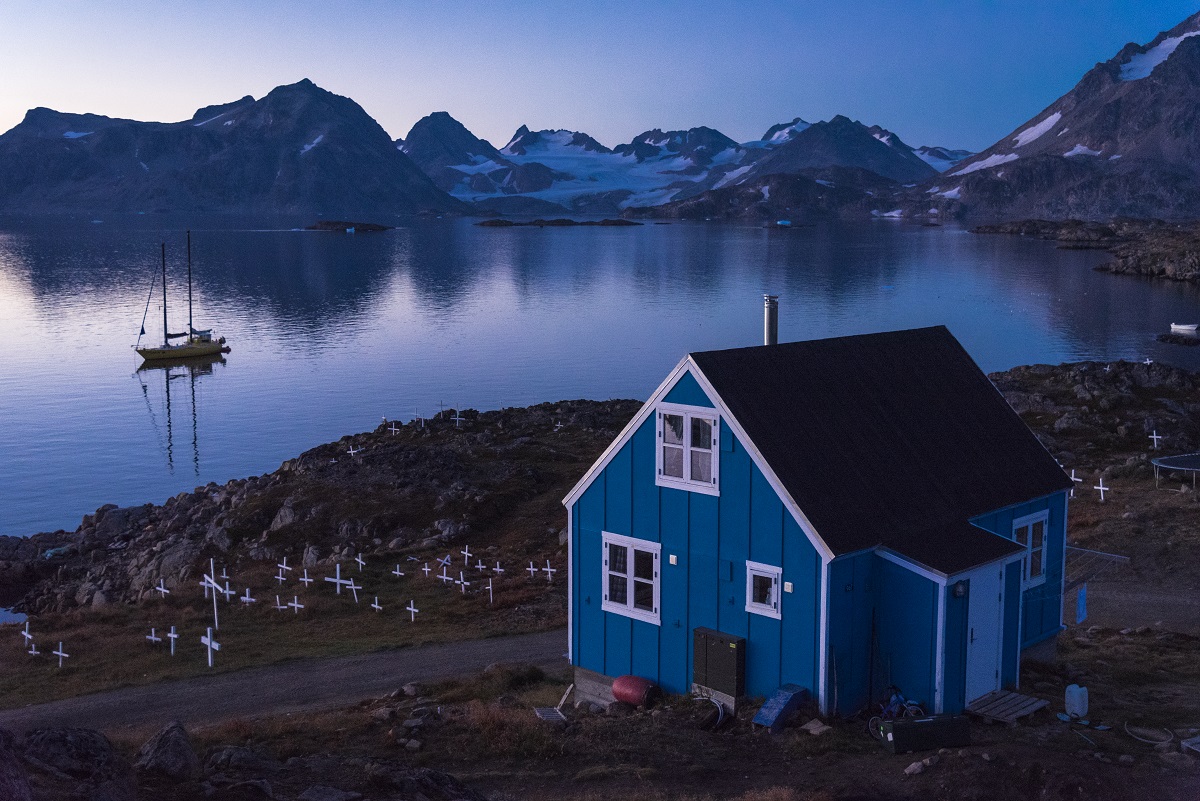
941,158
298,149
1123,141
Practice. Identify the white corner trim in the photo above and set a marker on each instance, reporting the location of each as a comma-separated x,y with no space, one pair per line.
915,567
631,427
939,672
756,456
570,588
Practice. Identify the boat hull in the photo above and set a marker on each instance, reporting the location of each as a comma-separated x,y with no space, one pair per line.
187,350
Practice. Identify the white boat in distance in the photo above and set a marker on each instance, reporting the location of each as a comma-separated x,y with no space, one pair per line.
1185,327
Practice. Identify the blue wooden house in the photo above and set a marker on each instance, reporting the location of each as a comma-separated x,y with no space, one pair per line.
842,514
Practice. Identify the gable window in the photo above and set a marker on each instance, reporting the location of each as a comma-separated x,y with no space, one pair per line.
762,589
1030,533
688,440
631,577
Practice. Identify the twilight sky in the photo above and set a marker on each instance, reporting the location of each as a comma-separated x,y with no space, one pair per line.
956,73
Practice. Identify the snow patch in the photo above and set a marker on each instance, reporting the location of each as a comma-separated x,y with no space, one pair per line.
823,182
932,211
1142,64
951,194
893,214
76,134
1081,150
144,167
1034,131
227,122
731,176
312,144
766,192
1114,158
994,160
211,119
885,138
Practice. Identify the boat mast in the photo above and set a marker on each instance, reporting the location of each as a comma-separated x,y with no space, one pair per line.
189,249
166,337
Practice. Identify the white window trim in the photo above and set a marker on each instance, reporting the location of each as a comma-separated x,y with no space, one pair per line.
628,609
776,575
1029,520
688,412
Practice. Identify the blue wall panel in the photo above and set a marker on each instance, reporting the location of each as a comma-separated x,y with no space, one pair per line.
955,668
762,655
645,493
675,660
906,630
618,645
801,607
618,492
588,584
1011,652
688,393
645,651
734,540
851,604
766,521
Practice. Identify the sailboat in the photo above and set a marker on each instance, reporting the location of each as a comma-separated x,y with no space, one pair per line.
197,342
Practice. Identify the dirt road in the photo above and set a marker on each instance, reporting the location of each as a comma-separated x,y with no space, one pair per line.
290,687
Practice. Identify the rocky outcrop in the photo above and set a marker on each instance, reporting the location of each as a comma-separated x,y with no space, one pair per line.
429,483
1151,248
169,753
83,757
14,781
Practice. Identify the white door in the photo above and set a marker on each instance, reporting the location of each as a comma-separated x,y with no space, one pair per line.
985,618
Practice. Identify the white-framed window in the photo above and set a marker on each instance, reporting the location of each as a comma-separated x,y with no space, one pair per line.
631,577
762,589
688,447
1030,533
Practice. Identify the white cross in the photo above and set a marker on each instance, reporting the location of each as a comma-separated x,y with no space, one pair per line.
224,573
338,581
550,571
33,651
152,637
462,582
228,592
354,588
397,572
533,571
60,653
25,633
1103,489
489,591
296,605
281,578
172,636
426,570
361,562
412,610
1155,438
1075,479
162,590
354,452
458,418
376,605
211,583
305,579
444,578
393,429
283,566
1148,361
480,566
466,552
212,644
444,562
1108,368
278,605
246,599
557,426
497,568
413,559
204,584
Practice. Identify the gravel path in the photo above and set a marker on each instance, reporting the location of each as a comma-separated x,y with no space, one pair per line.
290,687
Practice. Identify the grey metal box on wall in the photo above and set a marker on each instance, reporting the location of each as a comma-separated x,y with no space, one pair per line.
719,662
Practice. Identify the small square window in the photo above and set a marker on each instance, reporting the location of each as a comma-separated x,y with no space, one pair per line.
762,589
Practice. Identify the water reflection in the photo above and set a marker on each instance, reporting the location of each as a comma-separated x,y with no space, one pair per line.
162,416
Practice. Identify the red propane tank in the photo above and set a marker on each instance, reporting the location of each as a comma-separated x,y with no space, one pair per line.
635,690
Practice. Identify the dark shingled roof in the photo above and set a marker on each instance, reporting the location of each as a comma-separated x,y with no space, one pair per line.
893,439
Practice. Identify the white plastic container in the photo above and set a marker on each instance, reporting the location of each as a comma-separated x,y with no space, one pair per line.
1076,701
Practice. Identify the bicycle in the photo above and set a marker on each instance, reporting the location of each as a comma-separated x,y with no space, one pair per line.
897,707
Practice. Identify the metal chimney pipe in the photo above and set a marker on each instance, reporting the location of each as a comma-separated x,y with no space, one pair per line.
770,319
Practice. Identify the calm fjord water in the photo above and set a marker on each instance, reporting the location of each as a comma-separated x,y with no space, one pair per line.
332,332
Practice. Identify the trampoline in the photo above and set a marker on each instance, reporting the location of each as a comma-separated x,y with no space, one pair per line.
1185,463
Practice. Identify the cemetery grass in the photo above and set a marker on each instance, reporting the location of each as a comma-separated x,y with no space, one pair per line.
109,649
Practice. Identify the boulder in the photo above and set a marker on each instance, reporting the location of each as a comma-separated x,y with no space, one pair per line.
87,755
14,784
169,753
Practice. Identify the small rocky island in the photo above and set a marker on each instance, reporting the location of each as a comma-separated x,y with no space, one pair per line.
1151,248
560,222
